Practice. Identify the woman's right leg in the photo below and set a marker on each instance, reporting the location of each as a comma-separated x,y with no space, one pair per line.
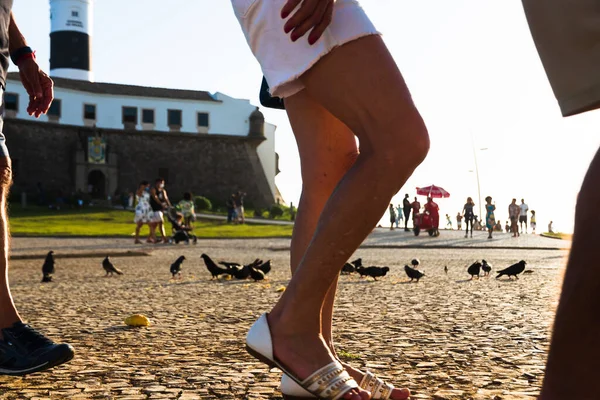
371,98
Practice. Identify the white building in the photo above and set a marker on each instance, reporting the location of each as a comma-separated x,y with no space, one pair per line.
127,107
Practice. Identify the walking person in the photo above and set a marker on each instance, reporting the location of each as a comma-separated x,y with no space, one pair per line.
392,211
407,207
448,222
143,213
514,211
469,215
230,204
490,219
533,222
524,208
239,207
459,219
333,217
159,202
398,215
23,350
416,209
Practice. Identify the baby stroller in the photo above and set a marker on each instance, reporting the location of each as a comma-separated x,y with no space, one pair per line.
179,233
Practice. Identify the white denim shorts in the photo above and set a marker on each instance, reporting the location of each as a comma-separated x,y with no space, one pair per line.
283,61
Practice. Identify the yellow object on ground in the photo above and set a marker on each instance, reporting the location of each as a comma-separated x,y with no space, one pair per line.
137,320
280,289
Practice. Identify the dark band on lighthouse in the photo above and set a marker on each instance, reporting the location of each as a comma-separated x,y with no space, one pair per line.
70,49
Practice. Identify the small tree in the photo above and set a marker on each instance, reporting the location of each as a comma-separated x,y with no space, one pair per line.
276,211
202,203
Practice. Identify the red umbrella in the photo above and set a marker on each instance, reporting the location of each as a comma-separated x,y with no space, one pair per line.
433,191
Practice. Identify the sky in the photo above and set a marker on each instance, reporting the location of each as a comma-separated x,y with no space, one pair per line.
471,66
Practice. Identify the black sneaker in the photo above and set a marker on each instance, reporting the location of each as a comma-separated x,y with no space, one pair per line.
24,351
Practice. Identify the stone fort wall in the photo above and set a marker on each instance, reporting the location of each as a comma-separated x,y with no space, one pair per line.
208,165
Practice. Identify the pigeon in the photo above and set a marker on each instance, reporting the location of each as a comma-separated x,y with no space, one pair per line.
513,270
256,274
230,264
373,271
474,269
486,267
213,268
445,268
357,262
176,266
413,273
415,262
110,268
243,272
348,269
264,267
48,267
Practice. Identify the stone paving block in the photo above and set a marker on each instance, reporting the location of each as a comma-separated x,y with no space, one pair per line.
445,335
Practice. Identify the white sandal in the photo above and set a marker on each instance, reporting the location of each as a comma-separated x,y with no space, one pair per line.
331,382
380,390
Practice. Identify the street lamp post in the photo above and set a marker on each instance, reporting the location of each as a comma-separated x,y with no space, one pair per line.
477,172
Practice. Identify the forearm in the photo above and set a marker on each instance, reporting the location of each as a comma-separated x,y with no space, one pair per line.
16,40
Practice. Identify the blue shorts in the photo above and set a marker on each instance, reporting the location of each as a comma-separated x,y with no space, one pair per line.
3,148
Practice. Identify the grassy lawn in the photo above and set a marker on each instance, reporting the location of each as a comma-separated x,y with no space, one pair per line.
36,221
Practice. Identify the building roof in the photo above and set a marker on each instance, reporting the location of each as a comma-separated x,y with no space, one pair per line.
126,90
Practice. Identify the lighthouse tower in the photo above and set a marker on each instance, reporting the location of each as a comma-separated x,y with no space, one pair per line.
71,23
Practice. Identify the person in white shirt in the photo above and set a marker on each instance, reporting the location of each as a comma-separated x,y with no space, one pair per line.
523,215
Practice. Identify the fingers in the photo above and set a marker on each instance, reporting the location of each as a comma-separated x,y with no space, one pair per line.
313,19
47,93
36,88
312,14
300,16
289,7
322,25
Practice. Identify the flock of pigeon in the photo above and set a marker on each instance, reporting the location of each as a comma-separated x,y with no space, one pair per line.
414,273
258,270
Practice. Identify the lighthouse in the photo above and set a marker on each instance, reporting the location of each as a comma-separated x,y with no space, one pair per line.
71,23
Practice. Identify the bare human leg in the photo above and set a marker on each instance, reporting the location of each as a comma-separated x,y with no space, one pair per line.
8,311
369,96
152,235
161,228
574,356
327,150
138,226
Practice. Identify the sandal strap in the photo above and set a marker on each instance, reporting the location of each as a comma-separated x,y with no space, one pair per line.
380,390
383,391
330,382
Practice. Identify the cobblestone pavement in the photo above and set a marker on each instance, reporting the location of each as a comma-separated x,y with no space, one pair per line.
444,338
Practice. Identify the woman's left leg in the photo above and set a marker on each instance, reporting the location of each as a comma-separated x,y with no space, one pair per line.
327,150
